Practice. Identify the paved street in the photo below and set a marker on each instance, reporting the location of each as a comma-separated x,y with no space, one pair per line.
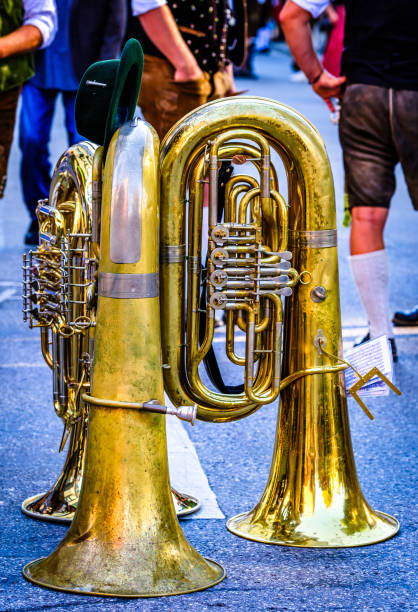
235,457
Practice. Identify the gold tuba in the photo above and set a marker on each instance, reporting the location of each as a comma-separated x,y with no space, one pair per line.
124,539
313,497
60,298
58,277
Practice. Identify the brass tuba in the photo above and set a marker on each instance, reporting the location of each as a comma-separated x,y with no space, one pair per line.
260,250
58,278
59,298
313,497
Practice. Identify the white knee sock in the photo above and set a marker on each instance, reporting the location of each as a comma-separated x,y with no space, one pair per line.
371,274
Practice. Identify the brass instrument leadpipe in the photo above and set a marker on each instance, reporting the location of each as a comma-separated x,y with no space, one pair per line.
184,413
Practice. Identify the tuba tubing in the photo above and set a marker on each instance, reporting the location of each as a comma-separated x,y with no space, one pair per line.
312,212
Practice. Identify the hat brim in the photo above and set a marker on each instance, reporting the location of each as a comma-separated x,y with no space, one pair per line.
126,89
108,94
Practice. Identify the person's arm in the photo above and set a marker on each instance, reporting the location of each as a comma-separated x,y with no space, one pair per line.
38,29
332,14
41,14
23,40
295,22
162,30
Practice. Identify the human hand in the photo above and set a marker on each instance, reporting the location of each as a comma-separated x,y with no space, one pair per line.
188,72
329,86
332,15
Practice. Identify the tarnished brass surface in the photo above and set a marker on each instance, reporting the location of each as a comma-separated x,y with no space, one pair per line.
312,497
125,539
75,200
216,567
117,546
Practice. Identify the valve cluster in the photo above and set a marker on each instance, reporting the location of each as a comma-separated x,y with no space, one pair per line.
243,269
58,284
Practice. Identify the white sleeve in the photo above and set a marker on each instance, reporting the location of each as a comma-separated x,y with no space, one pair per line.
43,15
139,7
314,7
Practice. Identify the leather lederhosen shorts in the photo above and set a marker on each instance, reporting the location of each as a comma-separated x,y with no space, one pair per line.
164,101
378,128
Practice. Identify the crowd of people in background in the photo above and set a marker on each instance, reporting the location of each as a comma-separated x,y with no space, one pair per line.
368,60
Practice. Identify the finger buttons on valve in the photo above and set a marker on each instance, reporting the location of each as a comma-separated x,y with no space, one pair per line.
219,256
219,278
218,300
219,234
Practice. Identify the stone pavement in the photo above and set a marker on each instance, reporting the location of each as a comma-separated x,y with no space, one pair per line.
235,456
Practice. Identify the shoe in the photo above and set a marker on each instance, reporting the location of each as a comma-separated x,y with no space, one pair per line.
366,338
410,317
32,235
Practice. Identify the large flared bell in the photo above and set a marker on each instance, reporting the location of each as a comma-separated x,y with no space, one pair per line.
125,540
323,529
313,498
58,505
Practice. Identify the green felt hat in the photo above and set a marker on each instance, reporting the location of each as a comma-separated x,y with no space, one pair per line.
108,94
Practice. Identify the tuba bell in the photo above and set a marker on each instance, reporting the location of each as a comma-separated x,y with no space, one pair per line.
124,539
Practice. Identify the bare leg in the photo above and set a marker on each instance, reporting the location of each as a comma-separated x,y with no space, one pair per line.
367,227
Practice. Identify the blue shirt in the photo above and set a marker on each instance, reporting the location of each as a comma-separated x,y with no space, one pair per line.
53,65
